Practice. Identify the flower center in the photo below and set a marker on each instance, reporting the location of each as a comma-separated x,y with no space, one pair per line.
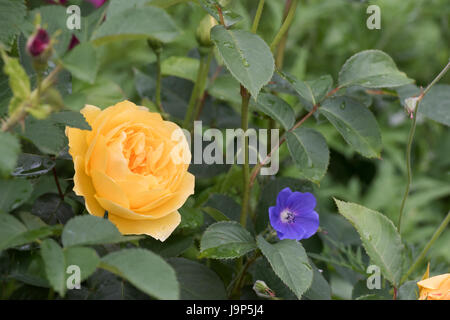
287,216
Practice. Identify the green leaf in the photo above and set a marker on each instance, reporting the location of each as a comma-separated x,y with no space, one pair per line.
215,214
9,149
145,270
191,218
18,81
408,291
197,282
13,193
31,221
379,236
246,56
229,17
226,240
276,108
89,230
82,62
182,67
52,209
436,104
85,258
319,289
71,119
310,152
32,165
174,246
290,263
355,123
30,236
10,227
12,14
55,265
137,23
372,69
311,91
45,134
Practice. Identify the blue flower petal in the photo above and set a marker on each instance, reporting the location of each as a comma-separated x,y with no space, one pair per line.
282,197
309,222
301,202
274,217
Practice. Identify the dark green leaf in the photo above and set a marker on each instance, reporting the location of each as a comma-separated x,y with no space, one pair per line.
226,240
13,193
436,104
379,236
82,62
89,230
52,209
197,282
246,56
372,69
355,123
9,149
145,270
229,17
276,108
32,165
12,14
55,265
71,119
310,152
290,263
137,23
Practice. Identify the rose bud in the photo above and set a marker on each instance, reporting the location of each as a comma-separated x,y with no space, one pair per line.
203,34
39,45
73,42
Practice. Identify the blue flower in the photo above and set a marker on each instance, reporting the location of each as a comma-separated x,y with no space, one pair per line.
294,217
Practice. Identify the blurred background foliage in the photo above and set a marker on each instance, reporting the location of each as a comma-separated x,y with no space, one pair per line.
415,33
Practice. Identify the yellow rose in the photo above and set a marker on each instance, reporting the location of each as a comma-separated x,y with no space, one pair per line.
435,288
130,165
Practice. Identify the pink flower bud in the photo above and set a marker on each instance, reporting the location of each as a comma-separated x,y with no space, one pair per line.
38,43
97,3
73,42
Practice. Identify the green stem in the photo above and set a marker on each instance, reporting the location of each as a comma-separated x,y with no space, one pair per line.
246,169
201,74
427,247
410,141
285,26
258,14
279,57
202,86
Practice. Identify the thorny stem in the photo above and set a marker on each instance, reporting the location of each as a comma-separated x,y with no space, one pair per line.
285,26
410,141
20,114
61,194
427,247
238,282
222,21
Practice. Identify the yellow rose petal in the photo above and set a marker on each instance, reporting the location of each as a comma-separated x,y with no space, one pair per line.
159,229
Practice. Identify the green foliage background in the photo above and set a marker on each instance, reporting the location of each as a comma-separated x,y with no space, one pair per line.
324,34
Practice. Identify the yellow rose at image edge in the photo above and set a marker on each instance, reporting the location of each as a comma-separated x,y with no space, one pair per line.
125,165
435,288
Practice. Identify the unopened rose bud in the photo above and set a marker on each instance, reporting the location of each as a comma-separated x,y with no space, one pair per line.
411,105
203,33
262,290
73,42
38,43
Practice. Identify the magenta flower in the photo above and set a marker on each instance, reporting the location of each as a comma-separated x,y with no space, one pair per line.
294,217
73,42
38,43
97,3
